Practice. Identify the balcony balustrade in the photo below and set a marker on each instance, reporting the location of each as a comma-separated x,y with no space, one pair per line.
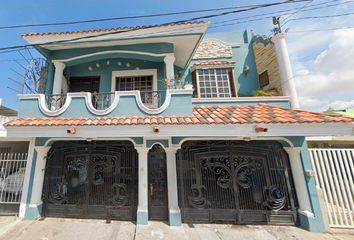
101,101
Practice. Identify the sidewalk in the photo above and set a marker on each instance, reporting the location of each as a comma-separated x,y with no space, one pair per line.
58,229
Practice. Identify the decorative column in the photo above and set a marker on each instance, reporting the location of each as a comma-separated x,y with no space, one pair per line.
285,71
299,181
36,196
58,77
174,213
142,214
170,74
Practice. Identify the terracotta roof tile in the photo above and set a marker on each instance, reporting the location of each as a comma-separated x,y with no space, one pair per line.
108,30
262,113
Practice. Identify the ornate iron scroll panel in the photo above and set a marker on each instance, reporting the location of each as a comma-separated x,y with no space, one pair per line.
91,180
158,208
235,181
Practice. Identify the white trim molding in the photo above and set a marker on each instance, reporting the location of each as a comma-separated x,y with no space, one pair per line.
195,67
198,130
242,99
108,52
44,109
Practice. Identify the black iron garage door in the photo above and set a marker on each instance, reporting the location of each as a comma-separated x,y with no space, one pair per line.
91,180
235,181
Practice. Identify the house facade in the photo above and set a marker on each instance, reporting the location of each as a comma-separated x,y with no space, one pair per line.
114,134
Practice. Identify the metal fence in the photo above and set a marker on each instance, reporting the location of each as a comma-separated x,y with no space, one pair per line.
12,174
335,176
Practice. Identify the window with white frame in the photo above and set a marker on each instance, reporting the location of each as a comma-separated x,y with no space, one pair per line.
214,83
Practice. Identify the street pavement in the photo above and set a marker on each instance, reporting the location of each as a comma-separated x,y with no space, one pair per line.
58,229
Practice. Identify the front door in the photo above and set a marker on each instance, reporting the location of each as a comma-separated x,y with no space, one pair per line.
157,184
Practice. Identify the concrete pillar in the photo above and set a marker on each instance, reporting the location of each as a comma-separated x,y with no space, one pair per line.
37,187
58,77
142,214
174,213
285,71
299,181
170,73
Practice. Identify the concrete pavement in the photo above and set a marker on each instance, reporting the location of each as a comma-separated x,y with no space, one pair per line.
56,228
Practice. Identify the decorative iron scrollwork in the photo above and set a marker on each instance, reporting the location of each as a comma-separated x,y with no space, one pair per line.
274,198
99,164
77,168
58,194
196,198
121,196
239,169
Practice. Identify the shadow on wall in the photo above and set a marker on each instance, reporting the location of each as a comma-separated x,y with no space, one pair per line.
247,84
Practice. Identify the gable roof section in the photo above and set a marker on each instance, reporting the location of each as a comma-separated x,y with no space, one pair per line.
258,114
108,29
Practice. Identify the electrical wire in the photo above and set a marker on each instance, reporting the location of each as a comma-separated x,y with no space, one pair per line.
297,11
165,24
142,16
305,10
53,5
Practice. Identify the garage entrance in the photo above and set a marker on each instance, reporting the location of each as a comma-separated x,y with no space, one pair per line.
91,180
235,181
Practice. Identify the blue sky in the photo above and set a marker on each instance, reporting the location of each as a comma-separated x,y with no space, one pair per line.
321,60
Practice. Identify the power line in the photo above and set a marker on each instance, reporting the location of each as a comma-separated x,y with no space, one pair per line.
176,22
322,30
52,5
327,16
298,10
143,16
311,9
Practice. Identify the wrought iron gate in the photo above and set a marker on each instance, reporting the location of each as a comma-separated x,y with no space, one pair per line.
91,180
158,208
235,181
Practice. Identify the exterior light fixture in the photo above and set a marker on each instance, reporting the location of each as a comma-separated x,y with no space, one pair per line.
180,72
246,70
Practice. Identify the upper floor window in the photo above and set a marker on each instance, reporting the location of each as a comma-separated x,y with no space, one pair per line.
142,83
214,83
263,79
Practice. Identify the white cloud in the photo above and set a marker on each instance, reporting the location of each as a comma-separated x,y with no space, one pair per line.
322,61
338,105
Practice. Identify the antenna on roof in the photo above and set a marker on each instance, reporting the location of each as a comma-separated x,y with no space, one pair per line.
36,73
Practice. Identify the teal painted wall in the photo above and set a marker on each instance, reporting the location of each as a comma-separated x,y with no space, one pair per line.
150,143
104,71
156,48
179,105
316,223
242,55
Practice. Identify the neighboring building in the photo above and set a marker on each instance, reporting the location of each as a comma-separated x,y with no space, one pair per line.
13,155
117,145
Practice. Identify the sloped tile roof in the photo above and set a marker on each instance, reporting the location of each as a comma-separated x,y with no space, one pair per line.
108,30
259,114
213,63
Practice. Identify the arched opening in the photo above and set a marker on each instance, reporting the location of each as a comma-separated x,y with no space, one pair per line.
157,179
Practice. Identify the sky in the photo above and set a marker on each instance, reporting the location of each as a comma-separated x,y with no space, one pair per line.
321,50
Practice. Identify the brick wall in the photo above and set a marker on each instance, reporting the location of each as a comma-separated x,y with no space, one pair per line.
266,60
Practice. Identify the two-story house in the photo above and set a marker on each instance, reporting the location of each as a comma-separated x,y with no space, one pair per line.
117,141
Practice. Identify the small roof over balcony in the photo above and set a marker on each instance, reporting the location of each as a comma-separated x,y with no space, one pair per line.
184,37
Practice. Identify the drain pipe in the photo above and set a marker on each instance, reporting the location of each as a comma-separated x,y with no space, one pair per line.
285,71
